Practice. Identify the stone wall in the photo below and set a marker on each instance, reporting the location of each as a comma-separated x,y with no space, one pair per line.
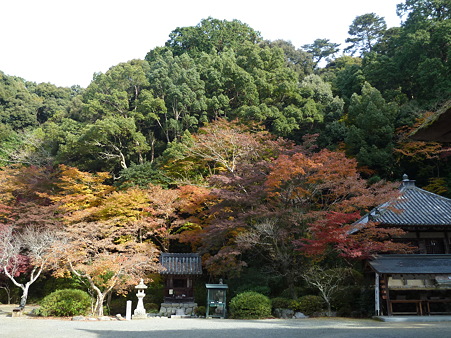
168,309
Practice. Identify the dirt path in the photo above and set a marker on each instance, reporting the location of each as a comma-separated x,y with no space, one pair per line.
7,309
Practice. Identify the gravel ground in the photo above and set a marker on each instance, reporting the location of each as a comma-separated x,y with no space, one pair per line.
29,326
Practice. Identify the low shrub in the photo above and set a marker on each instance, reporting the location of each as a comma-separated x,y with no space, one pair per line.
287,293
344,311
308,305
250,305
263,289
117,306
152,307
63,303
200,311
281,303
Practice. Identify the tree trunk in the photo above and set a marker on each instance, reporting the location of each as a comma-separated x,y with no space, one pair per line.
23,298
152,148
98,308
35,273
326,298
100,296
329,309
109,295
291,283
8,293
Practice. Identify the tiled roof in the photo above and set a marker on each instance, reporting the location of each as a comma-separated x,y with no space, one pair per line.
412,264
415,207
181,263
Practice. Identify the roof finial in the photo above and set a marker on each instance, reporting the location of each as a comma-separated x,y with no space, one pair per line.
406,183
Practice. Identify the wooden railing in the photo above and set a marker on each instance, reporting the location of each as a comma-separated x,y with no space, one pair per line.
421,306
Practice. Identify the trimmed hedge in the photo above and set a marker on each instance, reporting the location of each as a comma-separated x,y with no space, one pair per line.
250,305
65,303
281,303
308,305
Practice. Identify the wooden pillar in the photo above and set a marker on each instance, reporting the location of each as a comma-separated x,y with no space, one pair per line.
446,240
377,295
387,294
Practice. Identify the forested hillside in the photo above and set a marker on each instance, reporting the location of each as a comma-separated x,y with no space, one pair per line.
228,144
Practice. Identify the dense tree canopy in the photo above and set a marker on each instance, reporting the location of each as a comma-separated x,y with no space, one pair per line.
211,35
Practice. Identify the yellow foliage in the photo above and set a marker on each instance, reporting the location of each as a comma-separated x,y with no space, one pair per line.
437,185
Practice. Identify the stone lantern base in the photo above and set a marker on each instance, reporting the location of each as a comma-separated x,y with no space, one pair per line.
169,309
139,316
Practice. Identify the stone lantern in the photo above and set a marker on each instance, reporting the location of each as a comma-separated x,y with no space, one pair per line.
140,311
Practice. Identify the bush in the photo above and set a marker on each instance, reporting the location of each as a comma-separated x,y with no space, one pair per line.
298,291
63,303
48,284
345,300
263,289
201,311
281,303
117,305
308,305
152,307
250,305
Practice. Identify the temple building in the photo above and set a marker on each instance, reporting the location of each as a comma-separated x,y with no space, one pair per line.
417,283
180,271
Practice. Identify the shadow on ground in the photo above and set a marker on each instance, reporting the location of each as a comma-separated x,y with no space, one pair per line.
269,333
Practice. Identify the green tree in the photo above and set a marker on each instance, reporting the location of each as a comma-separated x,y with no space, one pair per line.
322,49
297,59
54,100
365,31
27,147
371,131
211,35
123,94
8,140
324,110
330,72
328,105
18,107
349,80
115,93
176,81
277,99
381,69
422,55
412,61
228,85
421,11
110,144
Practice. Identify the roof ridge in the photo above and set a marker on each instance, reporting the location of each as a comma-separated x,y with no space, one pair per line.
414,207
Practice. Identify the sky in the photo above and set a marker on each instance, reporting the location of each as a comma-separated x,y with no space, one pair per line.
65,42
